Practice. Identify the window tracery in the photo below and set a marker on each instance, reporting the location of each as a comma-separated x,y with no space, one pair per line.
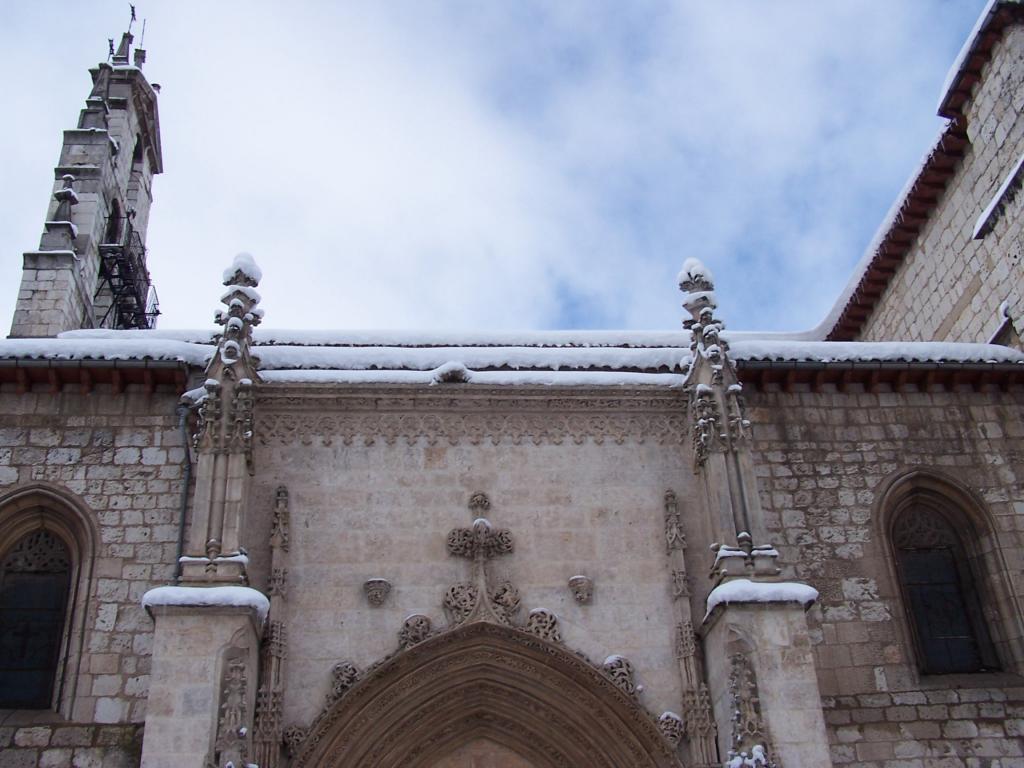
35,581
945,605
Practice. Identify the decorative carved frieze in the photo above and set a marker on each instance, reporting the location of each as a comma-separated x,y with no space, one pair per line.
231,744
674,537
699,720
666,428
686,640
680,584
544,624
377,591
748,728
278,582
582,588
267,735
415,629
620,670
344,675
277,639
671,727
281,521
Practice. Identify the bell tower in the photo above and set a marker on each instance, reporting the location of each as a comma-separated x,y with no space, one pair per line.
90,268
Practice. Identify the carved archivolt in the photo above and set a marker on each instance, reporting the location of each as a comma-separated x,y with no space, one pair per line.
666,428
489,680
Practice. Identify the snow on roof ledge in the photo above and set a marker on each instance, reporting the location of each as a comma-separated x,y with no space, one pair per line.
752,349
208,597
956,69
747,591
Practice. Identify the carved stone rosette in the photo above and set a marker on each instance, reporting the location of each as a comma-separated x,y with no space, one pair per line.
344,675
620,670
544,624
671,726
415,629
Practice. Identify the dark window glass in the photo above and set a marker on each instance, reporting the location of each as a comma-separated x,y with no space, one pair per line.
34,582
943,604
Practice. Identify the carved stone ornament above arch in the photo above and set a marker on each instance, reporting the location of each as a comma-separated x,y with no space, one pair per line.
491,681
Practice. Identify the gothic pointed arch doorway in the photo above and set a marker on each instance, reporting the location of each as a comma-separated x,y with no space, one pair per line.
484,682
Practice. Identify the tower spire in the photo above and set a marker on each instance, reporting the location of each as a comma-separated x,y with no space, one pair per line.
90,267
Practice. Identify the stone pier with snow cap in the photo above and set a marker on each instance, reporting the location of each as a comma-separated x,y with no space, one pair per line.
757,653
207,632
764,686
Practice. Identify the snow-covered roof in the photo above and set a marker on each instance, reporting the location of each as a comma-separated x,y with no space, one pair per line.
917,200
533,358
963,74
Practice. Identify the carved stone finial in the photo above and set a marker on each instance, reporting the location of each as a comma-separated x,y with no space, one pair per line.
621,672
671,726
377,591
698,286
582,588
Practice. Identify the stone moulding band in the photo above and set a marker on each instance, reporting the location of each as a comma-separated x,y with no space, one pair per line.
666,428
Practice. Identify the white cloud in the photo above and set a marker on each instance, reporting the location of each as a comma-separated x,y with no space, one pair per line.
519,165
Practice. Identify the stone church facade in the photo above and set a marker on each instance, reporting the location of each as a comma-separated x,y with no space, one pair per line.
687,548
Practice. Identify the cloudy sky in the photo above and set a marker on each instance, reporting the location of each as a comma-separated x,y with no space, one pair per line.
498,165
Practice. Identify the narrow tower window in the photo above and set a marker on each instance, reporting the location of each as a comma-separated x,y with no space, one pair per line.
941,593
113,233
35,579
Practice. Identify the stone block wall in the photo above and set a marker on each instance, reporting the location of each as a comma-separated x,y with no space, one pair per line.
824,459
950,286
119,458
62,745
373,494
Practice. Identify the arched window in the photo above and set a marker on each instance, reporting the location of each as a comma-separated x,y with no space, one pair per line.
35,582
47,551
944,596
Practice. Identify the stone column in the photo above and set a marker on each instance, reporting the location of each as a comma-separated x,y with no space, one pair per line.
202,688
